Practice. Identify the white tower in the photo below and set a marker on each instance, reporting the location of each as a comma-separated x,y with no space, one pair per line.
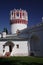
18,20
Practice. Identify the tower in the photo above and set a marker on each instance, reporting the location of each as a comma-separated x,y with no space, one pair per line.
18,20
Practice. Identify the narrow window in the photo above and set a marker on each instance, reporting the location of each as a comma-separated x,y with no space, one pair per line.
20,15
23,14
17,46
10,48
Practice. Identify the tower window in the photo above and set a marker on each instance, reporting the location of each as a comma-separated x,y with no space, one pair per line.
23,14
17,14
12,13
20,15
17,46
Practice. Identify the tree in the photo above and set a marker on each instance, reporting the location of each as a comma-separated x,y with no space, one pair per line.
5,30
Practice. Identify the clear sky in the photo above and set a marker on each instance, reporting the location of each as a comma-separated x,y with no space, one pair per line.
33,7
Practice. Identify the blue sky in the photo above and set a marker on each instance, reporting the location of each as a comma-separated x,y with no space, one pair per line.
33,7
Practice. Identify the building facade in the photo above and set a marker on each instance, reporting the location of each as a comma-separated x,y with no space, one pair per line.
23,40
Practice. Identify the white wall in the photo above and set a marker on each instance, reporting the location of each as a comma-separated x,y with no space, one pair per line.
15,27
1,47
22,50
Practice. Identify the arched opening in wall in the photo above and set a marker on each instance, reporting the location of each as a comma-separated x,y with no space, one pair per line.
34,45
7,47
31,54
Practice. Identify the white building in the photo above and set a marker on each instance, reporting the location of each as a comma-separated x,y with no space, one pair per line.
23,40
14,44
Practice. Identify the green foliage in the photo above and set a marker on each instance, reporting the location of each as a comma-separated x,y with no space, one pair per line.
21,61
5,30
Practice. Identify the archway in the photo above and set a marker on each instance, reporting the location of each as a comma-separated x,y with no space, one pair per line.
8,46
34,45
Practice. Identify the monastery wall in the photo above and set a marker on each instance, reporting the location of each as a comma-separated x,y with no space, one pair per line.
36,40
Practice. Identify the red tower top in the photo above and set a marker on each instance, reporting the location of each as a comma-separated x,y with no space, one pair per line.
18,16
